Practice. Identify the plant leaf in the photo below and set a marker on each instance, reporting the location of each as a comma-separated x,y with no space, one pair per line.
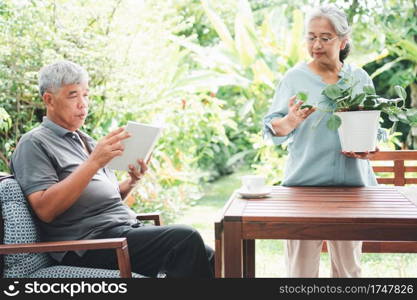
334,122
302,96
332,91
219,26
359,98
400,92
369,103
393,118
369,90
412,112
386,67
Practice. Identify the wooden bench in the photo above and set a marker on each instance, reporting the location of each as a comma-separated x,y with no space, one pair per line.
398,171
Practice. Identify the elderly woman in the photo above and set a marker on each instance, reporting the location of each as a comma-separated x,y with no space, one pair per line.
315,157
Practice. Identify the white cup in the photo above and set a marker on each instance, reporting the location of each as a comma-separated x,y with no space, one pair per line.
253,183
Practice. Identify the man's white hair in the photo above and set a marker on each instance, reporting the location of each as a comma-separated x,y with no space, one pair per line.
54,76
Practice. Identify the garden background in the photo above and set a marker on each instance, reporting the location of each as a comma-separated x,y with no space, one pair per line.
207,70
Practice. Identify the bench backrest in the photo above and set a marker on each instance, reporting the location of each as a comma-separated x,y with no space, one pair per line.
399,168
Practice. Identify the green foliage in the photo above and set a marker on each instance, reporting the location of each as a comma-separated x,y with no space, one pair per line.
133,66
206,69
397,63
243,69
5,121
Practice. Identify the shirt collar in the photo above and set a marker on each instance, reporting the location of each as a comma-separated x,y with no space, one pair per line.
58,130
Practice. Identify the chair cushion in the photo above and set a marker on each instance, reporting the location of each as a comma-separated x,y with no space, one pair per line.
77,272
19,228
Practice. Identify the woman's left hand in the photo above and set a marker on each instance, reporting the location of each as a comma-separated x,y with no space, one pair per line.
361,155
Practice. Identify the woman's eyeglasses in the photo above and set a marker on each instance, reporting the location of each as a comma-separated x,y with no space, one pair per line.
323,40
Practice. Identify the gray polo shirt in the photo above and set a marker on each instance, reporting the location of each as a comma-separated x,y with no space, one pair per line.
47,155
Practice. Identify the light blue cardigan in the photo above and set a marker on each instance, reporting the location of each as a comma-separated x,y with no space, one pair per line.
315,157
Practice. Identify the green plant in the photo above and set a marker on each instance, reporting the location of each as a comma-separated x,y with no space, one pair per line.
343,99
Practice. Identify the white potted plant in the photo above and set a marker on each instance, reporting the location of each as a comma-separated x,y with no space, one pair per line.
356,116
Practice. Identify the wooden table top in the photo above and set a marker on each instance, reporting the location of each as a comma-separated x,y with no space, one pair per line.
379,204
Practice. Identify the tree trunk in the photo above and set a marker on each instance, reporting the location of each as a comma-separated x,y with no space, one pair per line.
412,136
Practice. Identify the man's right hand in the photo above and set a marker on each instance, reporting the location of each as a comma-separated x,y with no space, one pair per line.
108,147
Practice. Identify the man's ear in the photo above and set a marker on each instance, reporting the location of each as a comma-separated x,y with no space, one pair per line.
47,99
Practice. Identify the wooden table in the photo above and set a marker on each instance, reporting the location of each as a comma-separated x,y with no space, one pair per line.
378,213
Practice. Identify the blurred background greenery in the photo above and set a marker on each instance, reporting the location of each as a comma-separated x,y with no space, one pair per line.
207,70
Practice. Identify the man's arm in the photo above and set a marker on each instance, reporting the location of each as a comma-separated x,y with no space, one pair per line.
59,197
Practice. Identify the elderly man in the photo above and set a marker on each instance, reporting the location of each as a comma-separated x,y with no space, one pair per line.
63,173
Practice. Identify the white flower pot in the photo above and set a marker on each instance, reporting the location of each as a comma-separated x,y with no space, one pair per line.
359,129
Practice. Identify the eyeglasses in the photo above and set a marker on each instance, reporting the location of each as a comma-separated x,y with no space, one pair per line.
323,40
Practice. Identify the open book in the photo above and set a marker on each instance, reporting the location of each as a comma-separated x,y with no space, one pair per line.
138,146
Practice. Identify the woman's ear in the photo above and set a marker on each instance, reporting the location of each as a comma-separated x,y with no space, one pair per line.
343,44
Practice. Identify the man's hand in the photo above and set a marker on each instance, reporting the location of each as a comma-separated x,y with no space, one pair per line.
109,147
361,155
135,173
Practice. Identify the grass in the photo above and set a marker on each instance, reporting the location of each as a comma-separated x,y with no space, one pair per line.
270,253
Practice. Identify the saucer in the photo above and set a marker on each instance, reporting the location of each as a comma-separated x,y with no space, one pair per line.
259,194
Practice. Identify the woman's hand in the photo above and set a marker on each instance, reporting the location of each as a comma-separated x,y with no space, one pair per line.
296,115
361,155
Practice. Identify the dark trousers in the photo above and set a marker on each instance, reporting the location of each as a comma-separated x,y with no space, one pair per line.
176,250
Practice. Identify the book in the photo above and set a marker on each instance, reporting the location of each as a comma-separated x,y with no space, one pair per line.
139,146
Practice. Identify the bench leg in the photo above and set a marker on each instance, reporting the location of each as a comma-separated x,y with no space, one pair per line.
249,258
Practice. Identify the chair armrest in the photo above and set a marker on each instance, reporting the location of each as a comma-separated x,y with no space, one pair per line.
155,217
63,246
120,244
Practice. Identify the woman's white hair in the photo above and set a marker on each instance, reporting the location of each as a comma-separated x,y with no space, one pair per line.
54,76
336,16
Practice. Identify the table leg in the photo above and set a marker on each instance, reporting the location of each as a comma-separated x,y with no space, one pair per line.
249,258
218,254
233,252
